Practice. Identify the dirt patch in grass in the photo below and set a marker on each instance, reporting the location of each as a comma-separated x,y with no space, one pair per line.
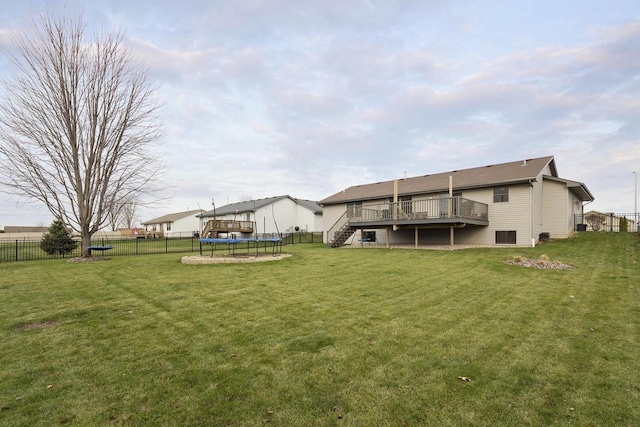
542,262
35,325
87,259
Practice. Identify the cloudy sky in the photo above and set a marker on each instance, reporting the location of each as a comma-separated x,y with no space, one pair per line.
273,97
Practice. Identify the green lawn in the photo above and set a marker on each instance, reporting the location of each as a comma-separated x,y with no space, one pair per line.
344,337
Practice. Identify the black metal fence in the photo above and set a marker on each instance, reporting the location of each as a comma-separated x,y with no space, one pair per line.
29,249
609,221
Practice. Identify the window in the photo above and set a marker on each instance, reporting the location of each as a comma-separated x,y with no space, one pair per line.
247,216
505,237
500,194
168,226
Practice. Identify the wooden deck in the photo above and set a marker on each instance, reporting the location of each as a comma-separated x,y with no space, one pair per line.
213,228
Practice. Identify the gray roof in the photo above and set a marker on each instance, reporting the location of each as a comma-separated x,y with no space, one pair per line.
253,205
579,188
171,217
492,175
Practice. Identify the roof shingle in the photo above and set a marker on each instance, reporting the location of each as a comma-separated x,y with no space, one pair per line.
504,173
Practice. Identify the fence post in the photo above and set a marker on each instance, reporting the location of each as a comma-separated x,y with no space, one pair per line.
16,250
166,245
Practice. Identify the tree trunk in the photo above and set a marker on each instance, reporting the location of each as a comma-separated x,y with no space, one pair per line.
86,244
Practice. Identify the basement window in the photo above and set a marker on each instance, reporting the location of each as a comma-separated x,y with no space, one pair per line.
501,194
505,237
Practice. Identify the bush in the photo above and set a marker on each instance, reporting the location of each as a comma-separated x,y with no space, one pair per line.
624,224
58,241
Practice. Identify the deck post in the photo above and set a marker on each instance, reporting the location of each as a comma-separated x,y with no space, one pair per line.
451,210
450,196
416,238
451,236
395,203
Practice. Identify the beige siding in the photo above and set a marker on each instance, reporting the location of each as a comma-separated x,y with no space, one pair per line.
574,207
556,209
537,208
331,214
514,215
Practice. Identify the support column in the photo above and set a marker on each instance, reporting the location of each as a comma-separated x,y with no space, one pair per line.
416,238
395,203
451,237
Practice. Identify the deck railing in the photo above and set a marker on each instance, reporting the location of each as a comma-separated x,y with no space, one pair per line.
440,208
344,219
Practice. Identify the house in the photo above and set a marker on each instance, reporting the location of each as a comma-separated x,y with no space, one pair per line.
503,204
607,221
25,229
272,215
174,225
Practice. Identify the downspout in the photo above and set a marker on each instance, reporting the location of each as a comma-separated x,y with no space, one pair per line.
582,215
533,240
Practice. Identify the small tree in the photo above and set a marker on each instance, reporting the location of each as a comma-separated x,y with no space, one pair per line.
58,241
624,224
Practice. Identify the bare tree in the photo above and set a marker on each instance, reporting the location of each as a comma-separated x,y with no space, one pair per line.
596,220
122,214
76,124
129,213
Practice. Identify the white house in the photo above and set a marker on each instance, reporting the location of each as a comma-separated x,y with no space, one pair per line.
174,225
272,215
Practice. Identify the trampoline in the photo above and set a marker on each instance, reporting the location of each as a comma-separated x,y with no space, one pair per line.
275,244
99,248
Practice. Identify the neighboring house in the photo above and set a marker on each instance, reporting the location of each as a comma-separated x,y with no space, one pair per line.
273,215
174,225
504,204
606,221
24,229
12,232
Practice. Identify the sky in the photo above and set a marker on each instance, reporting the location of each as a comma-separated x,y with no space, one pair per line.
275,97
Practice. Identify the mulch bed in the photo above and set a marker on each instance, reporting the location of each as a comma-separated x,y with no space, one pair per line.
218,259
539,263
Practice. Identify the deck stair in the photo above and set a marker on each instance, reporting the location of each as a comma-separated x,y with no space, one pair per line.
342,235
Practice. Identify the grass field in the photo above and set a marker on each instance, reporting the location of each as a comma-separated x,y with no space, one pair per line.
327,337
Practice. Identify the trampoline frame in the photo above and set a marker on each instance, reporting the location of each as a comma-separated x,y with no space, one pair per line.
252,243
